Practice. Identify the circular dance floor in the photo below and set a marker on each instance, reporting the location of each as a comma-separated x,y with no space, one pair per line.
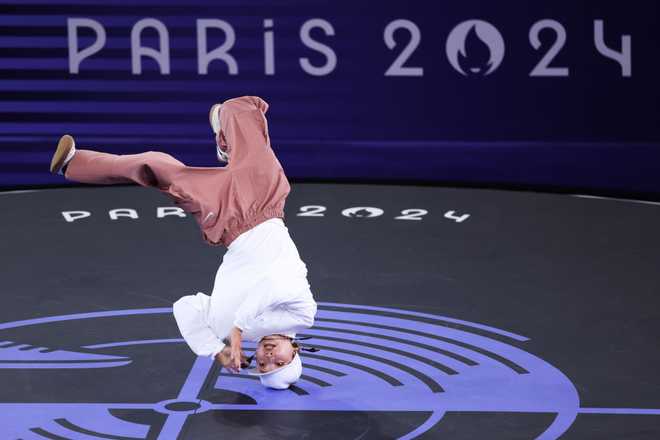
443,313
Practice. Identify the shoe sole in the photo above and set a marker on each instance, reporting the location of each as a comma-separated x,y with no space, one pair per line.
65,145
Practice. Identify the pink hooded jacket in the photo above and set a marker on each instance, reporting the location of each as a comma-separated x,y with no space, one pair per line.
225,201
252,187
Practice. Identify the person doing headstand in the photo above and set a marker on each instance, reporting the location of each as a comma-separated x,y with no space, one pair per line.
261,292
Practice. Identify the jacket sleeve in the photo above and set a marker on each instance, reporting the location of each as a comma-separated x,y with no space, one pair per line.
191,314
257,318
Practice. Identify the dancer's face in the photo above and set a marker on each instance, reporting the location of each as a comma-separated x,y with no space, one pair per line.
274,352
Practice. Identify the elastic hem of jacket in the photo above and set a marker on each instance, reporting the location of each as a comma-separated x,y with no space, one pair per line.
254,221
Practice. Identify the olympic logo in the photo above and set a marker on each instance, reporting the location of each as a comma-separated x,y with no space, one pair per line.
371,359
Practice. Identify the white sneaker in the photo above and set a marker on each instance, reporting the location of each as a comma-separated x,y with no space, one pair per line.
214,117
214,120
66,148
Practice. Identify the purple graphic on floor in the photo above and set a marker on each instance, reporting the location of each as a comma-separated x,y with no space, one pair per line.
371,359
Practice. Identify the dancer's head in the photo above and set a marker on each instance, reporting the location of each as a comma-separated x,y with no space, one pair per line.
274,351
278,362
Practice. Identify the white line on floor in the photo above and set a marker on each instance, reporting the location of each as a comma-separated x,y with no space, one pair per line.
644,202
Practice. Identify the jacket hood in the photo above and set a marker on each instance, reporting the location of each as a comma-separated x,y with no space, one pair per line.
243,126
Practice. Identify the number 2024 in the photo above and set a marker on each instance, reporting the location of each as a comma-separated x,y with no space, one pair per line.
542,68
368,212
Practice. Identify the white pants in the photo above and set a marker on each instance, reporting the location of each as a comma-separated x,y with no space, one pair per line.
260,272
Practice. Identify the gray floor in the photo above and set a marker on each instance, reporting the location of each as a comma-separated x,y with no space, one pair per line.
535,314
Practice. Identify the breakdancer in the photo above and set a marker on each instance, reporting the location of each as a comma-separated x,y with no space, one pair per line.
261,292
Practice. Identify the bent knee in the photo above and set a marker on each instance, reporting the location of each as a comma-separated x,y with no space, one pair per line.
190,304
182,306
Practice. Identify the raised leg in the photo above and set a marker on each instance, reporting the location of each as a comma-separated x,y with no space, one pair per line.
153,169
198,190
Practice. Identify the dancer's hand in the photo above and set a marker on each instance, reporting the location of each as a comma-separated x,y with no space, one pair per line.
237,355
224,357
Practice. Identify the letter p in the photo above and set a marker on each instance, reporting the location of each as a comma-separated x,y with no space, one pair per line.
76,56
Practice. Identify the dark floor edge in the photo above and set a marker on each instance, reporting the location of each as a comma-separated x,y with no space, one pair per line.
545,189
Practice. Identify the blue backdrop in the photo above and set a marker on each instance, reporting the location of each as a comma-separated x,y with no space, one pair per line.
544,94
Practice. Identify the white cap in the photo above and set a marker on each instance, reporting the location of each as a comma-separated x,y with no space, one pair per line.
280,378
